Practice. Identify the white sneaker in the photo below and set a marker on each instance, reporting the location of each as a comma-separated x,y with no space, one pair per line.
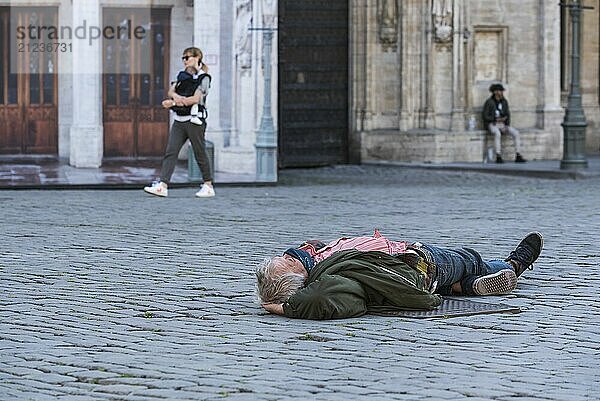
206,191
499,283
157,188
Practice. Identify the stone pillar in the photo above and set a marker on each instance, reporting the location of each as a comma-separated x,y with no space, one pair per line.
239,155
247,65
207,37
409,74
426,119
574,124
65,88
358,81
266,135
458,68
549,110
87,138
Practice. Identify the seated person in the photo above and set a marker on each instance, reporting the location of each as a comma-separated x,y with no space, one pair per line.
353,276
496,119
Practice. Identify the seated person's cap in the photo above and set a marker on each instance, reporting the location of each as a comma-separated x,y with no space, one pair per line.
496,87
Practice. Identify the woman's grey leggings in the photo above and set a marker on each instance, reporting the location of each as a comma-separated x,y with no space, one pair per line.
180,132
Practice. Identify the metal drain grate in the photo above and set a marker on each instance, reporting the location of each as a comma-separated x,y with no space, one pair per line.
455,307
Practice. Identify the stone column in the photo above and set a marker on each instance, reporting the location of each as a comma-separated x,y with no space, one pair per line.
207,37
266,135
458,69
247,66
358,77
410,60
549,110
574,123
425,106
65,88
87,136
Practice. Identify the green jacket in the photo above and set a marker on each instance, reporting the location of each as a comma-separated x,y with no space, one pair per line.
352,283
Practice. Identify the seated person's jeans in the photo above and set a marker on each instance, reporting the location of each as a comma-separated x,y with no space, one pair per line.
498,129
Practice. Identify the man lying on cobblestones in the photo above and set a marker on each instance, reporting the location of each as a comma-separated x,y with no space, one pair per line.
353,276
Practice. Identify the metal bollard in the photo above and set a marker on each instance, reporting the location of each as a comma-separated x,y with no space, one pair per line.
194,173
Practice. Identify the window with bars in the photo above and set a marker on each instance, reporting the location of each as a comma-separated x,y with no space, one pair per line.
124,80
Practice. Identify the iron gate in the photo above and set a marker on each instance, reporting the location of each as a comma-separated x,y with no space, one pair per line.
313,82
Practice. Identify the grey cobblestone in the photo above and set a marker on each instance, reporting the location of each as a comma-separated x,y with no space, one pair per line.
115,295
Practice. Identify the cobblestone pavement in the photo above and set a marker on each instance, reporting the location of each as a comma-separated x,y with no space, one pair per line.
116,295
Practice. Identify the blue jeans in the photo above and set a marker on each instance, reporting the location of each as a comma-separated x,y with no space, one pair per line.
464,265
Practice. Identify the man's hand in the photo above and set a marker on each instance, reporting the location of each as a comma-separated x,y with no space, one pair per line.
273,308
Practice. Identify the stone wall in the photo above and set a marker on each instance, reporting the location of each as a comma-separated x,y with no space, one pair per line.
448,52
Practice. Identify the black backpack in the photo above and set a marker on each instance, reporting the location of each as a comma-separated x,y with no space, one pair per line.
186,110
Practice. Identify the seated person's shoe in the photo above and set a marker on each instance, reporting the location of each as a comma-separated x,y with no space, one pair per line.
157,188
519,159
498,283
499,158
526,252
206,191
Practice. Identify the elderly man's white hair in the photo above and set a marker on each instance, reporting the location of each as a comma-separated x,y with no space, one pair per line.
274,287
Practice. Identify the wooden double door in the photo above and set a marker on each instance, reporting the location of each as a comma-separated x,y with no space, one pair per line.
135,81
28,85
313,82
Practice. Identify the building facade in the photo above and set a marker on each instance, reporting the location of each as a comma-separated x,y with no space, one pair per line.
98,98
351,80
423,68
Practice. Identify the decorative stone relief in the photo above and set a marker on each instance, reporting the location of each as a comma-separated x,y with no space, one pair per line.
387,13
441,11
269,13
490,54
243,35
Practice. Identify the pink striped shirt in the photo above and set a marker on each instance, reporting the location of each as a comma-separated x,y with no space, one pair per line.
375,243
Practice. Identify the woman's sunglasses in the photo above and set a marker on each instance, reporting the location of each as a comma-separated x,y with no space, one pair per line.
185,58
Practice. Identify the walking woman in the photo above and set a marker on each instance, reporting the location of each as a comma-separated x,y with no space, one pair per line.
184,127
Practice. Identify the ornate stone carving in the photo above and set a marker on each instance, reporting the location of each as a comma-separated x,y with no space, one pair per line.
243,35
441,12
269,13
387,13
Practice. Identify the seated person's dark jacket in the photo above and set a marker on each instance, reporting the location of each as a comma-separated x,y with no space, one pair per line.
352,283
489,111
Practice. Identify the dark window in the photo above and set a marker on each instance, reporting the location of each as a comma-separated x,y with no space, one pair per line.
12,88
34,88
145,90
48,88
111,89
123,89
158,54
